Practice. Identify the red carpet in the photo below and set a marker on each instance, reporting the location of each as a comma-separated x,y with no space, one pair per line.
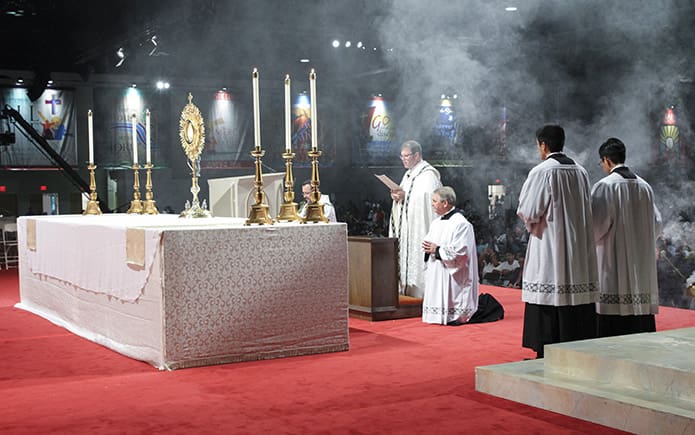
399,376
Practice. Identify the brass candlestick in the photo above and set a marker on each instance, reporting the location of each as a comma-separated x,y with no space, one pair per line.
93,204
136,204
288,209
149,202
314,210
259,211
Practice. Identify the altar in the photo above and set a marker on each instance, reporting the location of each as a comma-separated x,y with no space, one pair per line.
180,293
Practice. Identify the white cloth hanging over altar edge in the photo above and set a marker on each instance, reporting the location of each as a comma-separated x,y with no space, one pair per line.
77,240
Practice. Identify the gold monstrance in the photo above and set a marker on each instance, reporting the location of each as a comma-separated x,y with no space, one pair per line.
192,134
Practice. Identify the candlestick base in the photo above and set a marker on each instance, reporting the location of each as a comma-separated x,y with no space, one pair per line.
259,215
135,207
149,207
288,212
314,213
92,208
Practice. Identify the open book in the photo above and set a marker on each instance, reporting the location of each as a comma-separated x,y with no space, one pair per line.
392,185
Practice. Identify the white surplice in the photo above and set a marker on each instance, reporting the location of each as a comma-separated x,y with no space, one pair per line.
626,225
560,266
410,221
451,284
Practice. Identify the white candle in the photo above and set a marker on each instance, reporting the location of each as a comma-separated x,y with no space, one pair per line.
288,116
90,126
147,137
314,123
135,138
256,113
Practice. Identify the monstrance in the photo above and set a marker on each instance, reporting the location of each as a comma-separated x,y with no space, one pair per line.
192,134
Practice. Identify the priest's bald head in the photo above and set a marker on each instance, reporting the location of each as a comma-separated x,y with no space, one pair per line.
550,139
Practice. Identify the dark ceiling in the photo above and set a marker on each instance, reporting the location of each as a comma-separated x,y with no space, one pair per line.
200,38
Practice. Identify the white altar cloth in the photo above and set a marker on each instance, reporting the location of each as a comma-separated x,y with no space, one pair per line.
211,291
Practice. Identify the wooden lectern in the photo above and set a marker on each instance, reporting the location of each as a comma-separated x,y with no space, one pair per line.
373,281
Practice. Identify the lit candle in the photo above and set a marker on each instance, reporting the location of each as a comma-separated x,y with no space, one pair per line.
314,124
288,117
90,126
147,137
256,113
135,139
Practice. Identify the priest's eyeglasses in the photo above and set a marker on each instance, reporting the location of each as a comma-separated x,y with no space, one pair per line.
405,156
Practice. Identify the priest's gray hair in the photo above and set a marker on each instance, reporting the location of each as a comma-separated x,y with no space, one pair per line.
413,146
447,194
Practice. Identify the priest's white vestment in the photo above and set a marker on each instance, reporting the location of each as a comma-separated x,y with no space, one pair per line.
555,204
410,221
451,281
626,225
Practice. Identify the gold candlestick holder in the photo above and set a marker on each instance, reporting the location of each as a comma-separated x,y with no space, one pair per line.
259,211
288,209
136,203
314,210
149,203
93,204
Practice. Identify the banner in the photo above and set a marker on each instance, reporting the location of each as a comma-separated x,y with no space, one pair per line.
113,128
226,129
52,116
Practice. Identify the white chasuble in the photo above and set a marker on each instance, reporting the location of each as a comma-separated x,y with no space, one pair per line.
626,225
555,205
410,221
451,289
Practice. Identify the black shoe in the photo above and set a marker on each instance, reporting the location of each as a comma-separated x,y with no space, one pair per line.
454,323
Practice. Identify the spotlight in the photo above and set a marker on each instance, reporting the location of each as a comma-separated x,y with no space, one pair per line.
510,9
336,43
133,85
359,44
120,54
348,44
153,40
20,81
161,84
305,60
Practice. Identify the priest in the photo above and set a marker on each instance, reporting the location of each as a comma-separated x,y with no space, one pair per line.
626,225
451,275
411,215
560,278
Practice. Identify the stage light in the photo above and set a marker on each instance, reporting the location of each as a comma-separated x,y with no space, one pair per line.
3,189
20,80
161,84
348,44
133,85
43,188
120,54
49,83
359,44
153,40
304,60
510,9
336,43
